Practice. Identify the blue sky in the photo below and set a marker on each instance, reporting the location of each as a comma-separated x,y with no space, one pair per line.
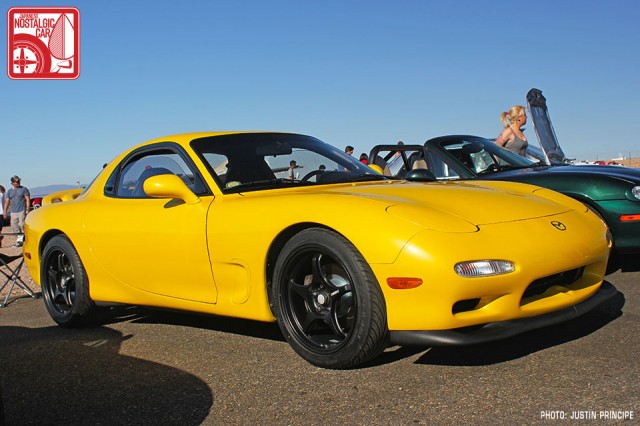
348,72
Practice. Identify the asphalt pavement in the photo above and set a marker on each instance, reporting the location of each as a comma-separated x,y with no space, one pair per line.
143,366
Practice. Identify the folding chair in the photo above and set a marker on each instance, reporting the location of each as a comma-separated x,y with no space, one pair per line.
12,276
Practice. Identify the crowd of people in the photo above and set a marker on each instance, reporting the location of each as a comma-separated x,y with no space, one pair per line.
364,158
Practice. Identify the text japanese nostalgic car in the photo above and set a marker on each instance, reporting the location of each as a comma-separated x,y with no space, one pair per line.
346,260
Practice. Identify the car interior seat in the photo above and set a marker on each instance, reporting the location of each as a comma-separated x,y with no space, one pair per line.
417,161
249,171
463,158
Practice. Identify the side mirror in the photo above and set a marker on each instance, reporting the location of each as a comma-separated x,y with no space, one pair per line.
420,175
169,186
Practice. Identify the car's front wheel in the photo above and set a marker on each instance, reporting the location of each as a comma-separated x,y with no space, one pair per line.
327,301
64,282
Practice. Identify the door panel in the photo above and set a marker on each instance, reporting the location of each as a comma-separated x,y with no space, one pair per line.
155,245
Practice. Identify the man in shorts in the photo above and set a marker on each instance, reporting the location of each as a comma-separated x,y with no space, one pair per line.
19,199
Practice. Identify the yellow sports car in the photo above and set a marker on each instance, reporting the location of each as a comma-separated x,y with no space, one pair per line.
279,226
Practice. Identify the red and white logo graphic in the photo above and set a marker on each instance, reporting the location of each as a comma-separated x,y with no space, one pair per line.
43,43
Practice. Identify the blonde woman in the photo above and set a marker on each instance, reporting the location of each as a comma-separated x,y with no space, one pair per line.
512,137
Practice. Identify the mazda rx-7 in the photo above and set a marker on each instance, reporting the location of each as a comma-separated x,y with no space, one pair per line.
283,227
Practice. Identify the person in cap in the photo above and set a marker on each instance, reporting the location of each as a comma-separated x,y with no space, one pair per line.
2,218
16,203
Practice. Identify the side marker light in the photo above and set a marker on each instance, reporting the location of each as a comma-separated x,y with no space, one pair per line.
403,283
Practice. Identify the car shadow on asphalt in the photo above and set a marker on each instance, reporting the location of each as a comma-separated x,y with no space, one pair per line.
527,343
145,315
53,375
474,355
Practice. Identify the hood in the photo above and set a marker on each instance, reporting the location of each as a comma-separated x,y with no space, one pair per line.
623,173
620,172
539,114
474,202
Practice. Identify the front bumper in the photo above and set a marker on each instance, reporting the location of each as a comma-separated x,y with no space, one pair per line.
500,329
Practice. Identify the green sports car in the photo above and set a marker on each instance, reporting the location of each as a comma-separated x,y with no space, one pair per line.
611,191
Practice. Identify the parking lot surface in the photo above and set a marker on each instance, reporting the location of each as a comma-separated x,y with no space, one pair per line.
144,366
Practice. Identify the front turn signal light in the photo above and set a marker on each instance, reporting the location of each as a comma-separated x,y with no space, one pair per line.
630,218
403,283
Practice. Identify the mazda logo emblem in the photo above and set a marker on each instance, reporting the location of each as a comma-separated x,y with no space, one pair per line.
559,225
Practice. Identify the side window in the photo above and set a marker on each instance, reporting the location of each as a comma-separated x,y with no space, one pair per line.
130,183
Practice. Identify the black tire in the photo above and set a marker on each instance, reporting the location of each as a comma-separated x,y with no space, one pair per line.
65,286
327,301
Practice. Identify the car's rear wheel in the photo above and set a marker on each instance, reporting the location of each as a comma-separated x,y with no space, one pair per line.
327,301
65,286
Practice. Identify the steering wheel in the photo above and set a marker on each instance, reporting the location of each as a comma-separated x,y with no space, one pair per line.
311,174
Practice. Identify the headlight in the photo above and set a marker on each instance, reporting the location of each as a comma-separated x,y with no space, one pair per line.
483,268
635,191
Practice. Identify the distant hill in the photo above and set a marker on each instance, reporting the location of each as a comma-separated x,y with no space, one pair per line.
41,191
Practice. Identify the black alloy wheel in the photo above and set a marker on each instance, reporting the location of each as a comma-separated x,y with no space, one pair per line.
328,303
65,286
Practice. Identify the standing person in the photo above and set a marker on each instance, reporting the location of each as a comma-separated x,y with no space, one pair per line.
348,150
19,198
512,137
1,211
293,175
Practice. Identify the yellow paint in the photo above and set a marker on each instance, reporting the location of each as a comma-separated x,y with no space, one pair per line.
209,253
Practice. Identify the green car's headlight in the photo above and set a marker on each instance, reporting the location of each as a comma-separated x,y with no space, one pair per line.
483,268
635,191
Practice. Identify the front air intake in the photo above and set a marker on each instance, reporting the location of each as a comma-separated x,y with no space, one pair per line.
541,285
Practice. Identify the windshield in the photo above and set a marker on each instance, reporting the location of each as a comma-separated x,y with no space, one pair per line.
257,161
480,155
